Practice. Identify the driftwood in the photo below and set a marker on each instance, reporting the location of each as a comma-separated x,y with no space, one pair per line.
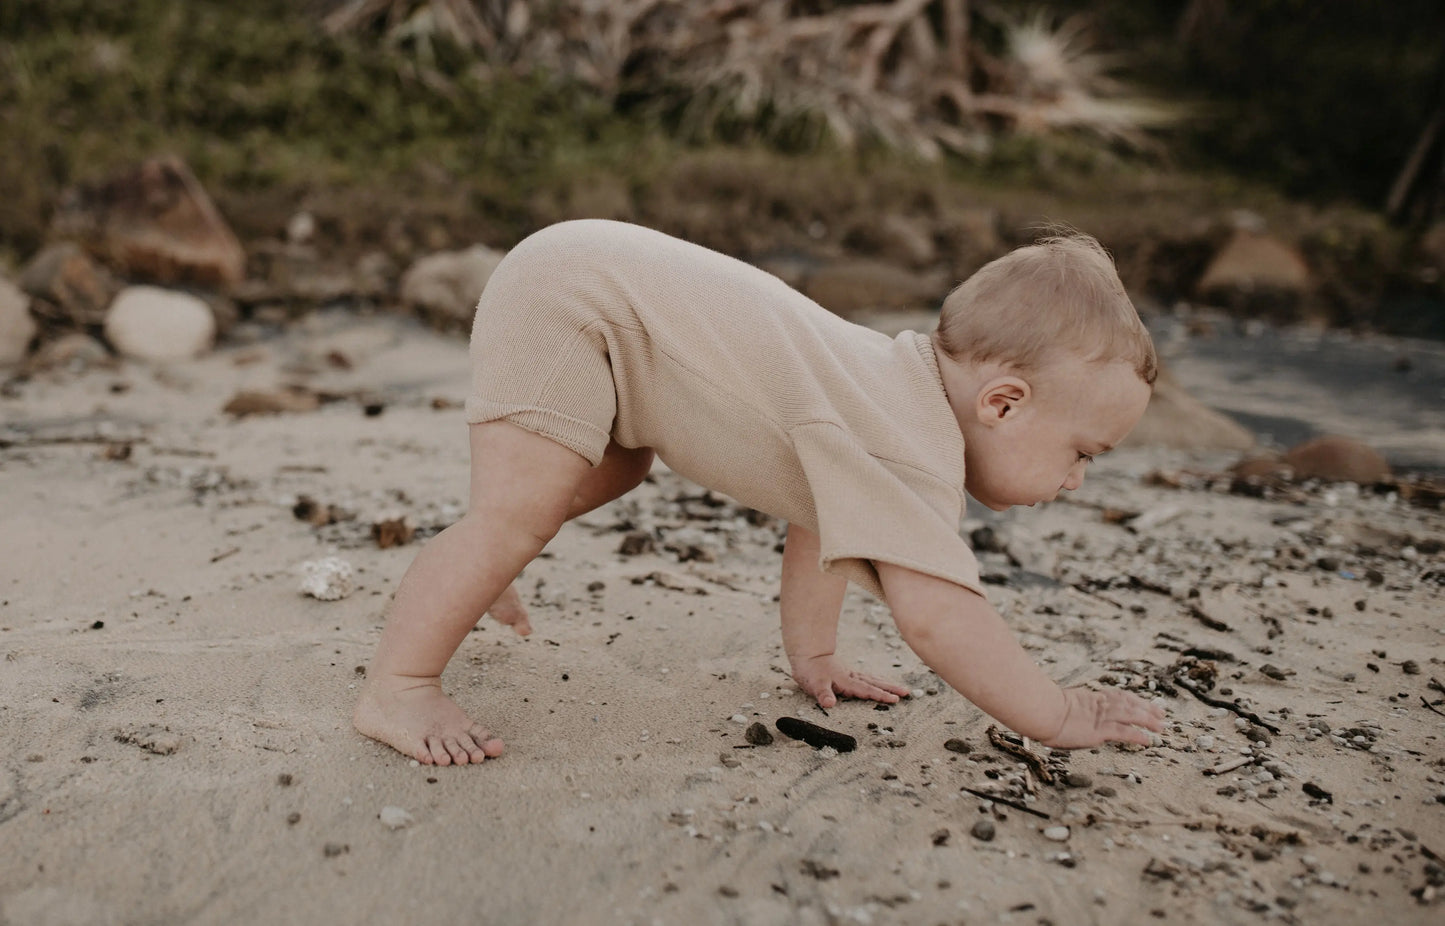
909,72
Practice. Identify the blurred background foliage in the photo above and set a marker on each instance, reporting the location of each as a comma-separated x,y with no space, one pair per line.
1318,101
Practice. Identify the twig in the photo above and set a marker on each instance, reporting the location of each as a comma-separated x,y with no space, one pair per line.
1431,706
1231,766
1212,623
1249,715
1007,802
225,553
1035,762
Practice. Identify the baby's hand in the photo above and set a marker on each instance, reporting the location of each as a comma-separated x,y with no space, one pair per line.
1111,715
824,679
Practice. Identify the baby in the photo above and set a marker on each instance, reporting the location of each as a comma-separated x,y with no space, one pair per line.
597,344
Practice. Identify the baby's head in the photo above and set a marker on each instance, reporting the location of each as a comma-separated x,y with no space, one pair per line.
1046,364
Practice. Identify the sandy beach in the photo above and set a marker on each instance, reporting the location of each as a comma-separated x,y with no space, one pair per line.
176,712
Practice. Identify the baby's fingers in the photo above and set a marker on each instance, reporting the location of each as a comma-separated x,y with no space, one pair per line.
1132,709
855,685
1124,733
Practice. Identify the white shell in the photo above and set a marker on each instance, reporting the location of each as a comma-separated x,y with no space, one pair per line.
328,579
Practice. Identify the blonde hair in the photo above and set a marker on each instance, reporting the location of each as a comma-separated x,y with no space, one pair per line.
1062,292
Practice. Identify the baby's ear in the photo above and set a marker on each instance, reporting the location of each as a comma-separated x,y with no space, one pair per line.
1000,399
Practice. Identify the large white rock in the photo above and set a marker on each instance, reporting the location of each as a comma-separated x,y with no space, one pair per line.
150,323
16,325
448,284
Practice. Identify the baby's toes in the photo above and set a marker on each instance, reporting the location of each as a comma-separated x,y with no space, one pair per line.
438,750
490,746
456,750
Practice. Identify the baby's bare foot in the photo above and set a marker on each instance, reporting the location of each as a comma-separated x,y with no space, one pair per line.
508,609
415,717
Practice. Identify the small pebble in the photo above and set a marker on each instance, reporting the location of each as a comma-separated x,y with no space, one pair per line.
395,817
758,735
958,745
1057,833
1077,780
983,830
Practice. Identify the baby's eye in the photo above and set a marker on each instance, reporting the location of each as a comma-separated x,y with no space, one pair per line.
1087,458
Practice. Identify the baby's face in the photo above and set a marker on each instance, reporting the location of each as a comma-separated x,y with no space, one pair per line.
1044,445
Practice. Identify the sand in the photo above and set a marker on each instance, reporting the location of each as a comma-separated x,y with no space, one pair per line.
175,711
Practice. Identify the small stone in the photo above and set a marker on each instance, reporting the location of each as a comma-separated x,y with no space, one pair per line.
395,817
758,735
1057,833
333,849
957,745
445,285
983,830
940,837
1077,780
149,323
327,579
1410,667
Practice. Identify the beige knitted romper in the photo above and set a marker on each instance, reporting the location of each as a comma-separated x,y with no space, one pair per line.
593,330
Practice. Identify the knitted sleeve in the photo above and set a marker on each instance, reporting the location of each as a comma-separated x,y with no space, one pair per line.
875,510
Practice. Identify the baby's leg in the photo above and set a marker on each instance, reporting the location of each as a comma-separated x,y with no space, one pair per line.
620,471
522,487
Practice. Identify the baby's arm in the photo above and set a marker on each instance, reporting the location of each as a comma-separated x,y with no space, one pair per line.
810,604
962,638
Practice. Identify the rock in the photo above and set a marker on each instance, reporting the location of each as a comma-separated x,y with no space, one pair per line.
758,735
445,287
1057,833
1268,466
17,328
1251,260
983,830
1177,420
328,579
896,239
149,323
1258,275
71,289
395,817
1337,459
74,351
848,288
274,402
155,222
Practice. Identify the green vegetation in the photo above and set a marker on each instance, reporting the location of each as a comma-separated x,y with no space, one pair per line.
403,151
